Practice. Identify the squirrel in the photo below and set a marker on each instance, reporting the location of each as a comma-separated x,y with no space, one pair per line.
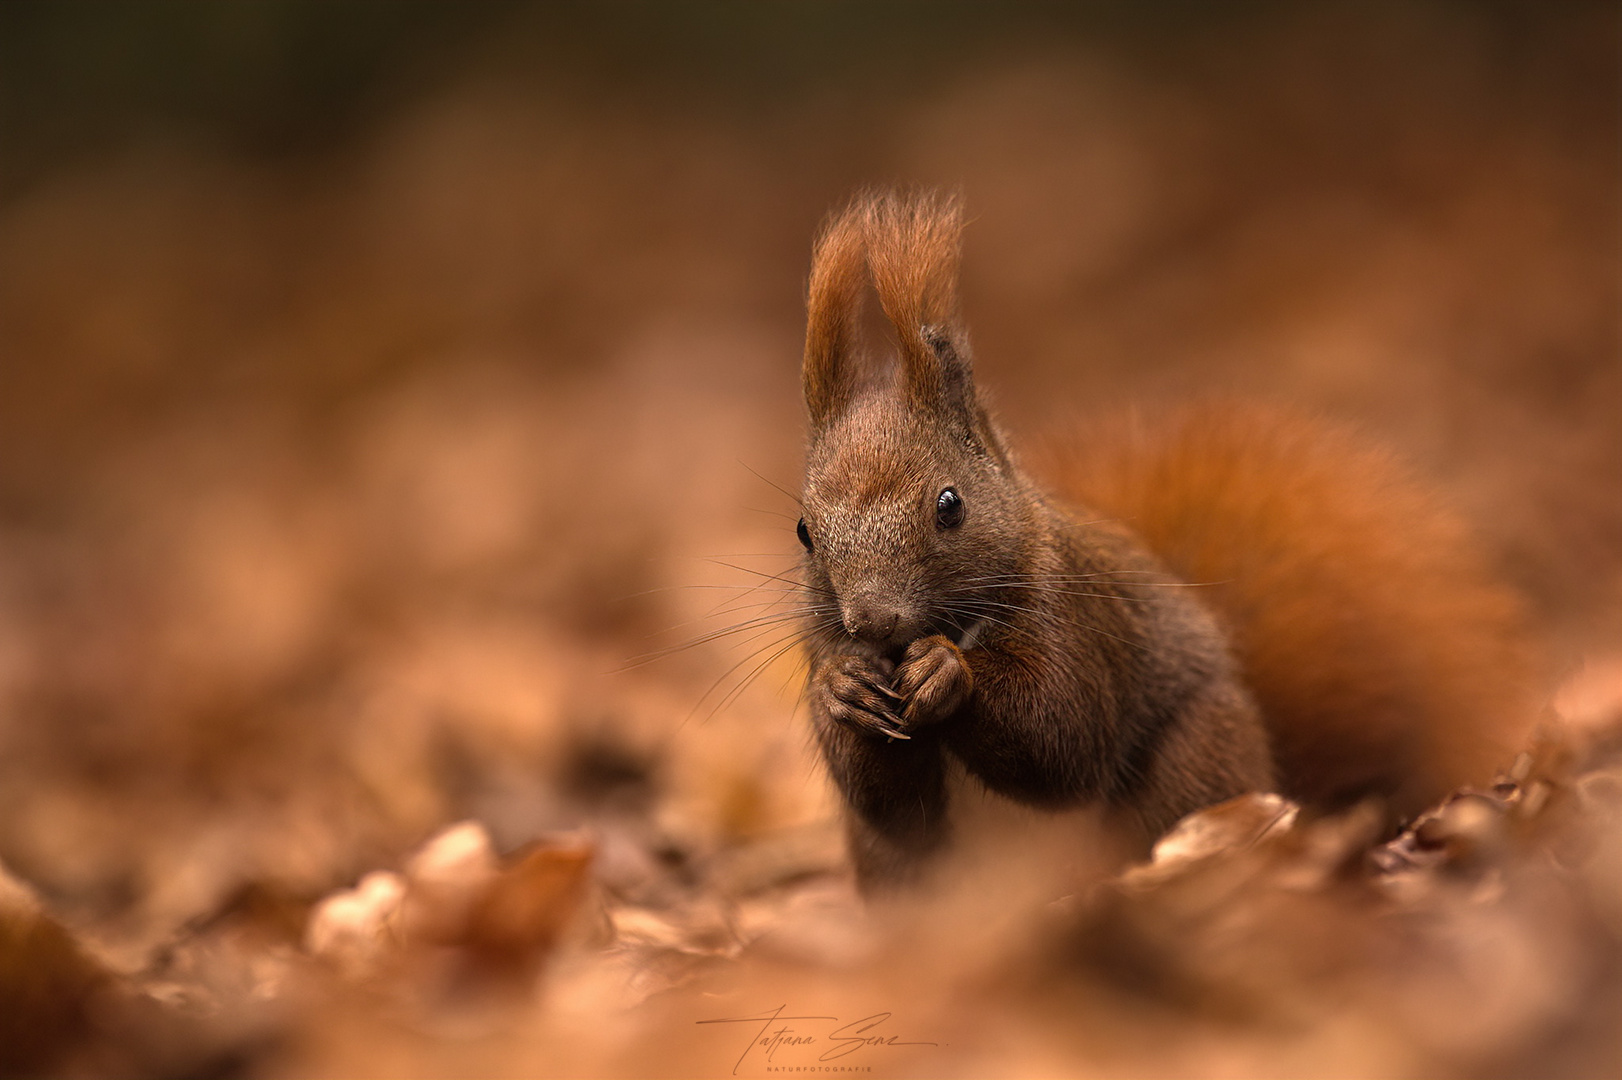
1230,601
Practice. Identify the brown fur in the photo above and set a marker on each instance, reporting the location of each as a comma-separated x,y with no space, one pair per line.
1383,655
1051,652
833,311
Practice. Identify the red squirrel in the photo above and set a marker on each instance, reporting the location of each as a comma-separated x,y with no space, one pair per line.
1231,601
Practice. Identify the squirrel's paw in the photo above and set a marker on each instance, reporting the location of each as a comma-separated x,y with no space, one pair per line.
856,692
933,679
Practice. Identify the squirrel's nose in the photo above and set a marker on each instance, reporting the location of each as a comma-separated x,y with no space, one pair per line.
870,622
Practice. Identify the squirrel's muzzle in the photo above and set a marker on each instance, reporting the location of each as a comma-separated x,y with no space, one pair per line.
883,625
869,623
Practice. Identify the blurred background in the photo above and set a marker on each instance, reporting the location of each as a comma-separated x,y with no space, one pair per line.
379,380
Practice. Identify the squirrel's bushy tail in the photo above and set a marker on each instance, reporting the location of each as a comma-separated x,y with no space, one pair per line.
1384,657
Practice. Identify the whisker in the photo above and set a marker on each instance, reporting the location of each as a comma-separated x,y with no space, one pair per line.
759,621
771,577
739,690
1099,578
1094,521
725,675
1059,592
1089,576
732,607
771,513
1051,618
627,597
773,483
781,645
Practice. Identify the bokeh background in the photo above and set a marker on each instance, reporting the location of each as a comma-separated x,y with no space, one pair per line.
380,380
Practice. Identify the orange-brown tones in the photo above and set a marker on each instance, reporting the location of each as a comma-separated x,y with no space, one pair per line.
1331,630
1382,653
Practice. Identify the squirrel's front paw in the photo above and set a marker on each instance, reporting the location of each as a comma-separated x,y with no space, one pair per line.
933,679
856,692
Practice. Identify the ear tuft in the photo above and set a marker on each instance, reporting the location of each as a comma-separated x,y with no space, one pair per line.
910,245
914,248
833,312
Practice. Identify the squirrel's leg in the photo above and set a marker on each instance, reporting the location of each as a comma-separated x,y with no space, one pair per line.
1215,749
894,786
895,802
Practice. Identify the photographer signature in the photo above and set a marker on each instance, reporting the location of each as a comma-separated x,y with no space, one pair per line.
775,1031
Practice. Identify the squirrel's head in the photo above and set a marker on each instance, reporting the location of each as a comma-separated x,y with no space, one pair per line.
912,509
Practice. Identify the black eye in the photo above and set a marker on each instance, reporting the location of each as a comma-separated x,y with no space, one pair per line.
803,533
949,509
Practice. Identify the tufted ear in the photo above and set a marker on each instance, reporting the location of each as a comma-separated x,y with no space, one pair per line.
913,248
833,315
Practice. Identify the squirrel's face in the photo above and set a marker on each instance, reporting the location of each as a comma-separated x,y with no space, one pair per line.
913,515
906,516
